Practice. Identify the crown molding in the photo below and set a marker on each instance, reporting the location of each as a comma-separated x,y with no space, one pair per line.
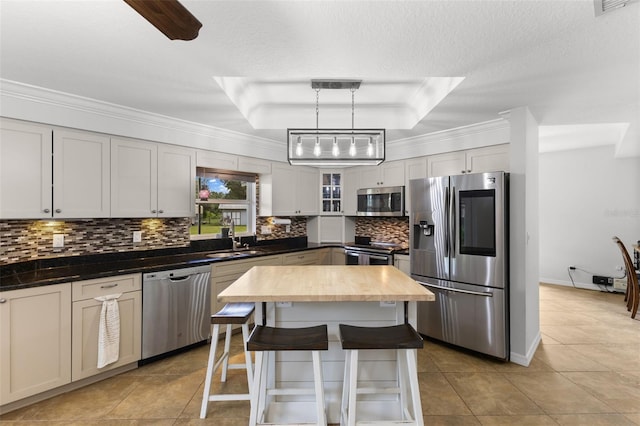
492,132
32,103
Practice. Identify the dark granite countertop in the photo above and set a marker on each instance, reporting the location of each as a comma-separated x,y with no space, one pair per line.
74,268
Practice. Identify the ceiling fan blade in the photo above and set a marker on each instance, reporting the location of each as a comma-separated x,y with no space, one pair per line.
169,16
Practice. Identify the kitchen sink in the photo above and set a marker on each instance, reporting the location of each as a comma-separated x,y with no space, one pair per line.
224,255
238,253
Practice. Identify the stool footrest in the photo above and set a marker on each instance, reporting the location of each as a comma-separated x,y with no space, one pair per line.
367,391
230,397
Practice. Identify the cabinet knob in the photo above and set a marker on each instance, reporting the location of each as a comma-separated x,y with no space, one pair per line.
46,210
463,172
469,171
160,211
153,211
58,211
3,300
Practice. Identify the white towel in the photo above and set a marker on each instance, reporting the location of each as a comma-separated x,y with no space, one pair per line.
109,330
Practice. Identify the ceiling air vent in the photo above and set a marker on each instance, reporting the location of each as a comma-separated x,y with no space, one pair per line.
605,6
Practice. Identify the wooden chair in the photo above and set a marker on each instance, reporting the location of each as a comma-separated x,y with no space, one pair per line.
632,295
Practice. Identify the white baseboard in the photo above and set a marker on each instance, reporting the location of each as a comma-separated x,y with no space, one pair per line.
525,360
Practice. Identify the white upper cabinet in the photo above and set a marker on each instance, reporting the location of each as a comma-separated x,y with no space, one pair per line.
289,191
488,159
25,171
52,173
415,168
216,160
477,160
134,178
331,191
176,181
351,184
386,174
151,180
81,175
223,161
254,165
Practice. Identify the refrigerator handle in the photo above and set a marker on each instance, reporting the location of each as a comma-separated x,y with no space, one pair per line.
447,213
456,290
452,222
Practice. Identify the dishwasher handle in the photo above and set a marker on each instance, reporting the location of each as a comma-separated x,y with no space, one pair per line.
179,279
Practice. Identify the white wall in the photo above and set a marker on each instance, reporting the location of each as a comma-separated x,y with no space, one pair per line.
523,238
586,197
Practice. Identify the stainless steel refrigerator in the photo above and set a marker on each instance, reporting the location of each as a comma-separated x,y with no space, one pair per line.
459,250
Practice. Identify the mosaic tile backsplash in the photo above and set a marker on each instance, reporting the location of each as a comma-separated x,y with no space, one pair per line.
386,229
22,240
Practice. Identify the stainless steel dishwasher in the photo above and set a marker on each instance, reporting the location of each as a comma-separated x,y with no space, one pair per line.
176,309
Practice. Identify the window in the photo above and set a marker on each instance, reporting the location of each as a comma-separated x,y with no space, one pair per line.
223,199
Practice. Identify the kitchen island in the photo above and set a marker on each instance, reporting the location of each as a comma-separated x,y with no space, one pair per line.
302,296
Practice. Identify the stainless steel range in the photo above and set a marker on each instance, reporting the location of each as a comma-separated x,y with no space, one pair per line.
365,252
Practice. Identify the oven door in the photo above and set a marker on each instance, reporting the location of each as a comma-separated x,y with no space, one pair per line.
357,257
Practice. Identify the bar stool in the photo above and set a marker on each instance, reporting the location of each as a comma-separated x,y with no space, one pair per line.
404,339
264,341
230,314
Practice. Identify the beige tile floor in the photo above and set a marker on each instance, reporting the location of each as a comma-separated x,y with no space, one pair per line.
585,372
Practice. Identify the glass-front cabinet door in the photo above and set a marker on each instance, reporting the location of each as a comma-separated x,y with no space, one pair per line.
331,192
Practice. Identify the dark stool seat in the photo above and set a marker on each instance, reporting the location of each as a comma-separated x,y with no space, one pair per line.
404,340
402,336
266,340
233,313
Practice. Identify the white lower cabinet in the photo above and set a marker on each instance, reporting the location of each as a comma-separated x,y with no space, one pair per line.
401,261
310,257
223,274
86,313
35,340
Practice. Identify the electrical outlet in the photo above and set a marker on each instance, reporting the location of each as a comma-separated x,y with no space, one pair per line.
265,230
137,236
620,283
287,228
58,240
602,280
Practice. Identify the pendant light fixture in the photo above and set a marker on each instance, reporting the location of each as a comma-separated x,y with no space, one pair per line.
335,147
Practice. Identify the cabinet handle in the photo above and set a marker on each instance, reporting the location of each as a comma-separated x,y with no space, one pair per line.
46,210
3,300
58,211
109,285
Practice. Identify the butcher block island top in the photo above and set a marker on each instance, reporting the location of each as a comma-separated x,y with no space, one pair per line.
324,283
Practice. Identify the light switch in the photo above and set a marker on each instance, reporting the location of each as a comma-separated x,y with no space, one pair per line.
137,236
58,240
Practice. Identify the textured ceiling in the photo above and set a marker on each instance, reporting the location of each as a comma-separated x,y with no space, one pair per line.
557,58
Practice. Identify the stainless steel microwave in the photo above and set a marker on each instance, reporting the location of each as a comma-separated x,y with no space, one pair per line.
381,201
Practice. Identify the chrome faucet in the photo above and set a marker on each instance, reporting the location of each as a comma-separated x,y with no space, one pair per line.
235,245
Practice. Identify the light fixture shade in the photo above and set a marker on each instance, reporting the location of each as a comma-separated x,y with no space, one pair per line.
355,147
